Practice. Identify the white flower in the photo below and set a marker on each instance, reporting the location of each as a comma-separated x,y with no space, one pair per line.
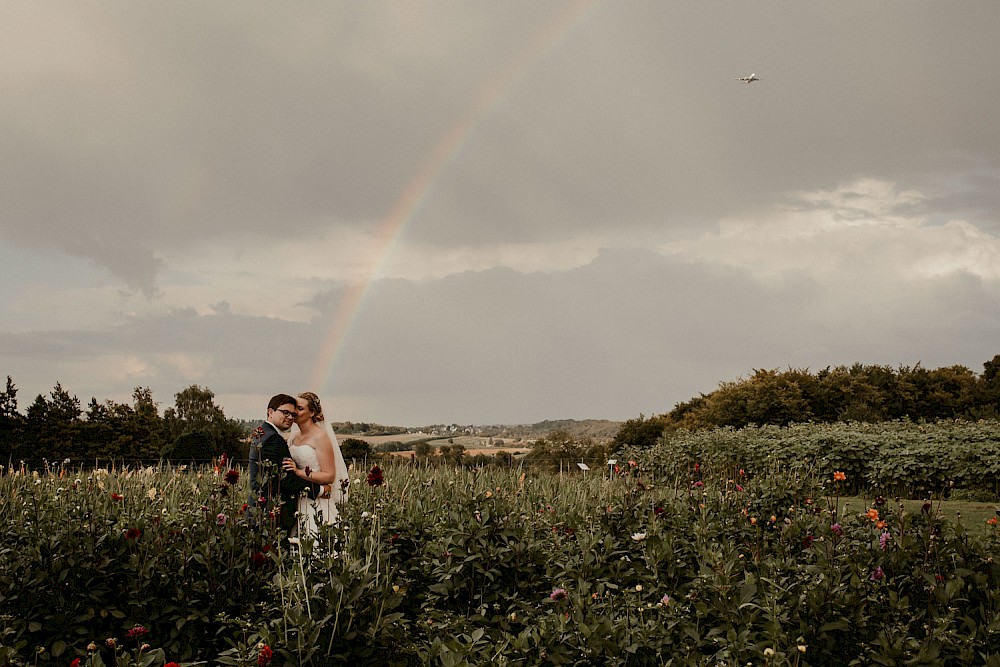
768,652
638,537
638,588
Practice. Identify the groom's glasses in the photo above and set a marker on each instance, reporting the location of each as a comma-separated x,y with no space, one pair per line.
287,413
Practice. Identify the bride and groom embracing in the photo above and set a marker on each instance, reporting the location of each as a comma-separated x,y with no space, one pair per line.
295,461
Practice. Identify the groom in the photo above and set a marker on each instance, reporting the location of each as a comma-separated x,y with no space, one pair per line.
267,452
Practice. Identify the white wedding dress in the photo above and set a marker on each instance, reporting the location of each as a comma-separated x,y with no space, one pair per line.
313,512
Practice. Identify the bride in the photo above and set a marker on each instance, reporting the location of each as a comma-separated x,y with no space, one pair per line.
316,457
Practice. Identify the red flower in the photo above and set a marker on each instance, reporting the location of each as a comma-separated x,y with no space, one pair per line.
75,662
232,476
171,664
136,632
264,656
258,560
133,534
375,476
115,496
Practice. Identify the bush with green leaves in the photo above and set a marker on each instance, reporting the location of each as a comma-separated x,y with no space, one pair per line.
705,563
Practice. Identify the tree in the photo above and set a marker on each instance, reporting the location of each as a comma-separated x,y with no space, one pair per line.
423,450
8,401
355,448
52,428
557,451
453,454
194,446
11,423
195,411
987,390
641,432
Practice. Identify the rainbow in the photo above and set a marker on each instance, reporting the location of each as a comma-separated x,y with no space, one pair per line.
390,229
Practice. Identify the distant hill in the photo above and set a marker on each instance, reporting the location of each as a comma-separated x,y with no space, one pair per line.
599,430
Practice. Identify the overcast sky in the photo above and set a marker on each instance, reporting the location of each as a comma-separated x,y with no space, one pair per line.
492,212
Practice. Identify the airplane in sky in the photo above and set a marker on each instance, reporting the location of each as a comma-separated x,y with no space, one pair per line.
748,79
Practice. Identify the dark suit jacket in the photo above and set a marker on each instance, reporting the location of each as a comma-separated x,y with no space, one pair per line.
280,485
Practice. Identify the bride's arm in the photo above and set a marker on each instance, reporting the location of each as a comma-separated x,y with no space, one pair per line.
316,476
327,462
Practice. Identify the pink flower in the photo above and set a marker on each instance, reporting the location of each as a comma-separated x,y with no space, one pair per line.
883,540
837,530
220,519
877,574
558,594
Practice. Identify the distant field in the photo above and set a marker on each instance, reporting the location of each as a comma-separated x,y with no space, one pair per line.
470,442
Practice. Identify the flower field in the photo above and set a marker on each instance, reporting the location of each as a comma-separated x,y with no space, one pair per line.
705,564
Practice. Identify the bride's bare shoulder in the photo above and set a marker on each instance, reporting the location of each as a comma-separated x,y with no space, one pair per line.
323,440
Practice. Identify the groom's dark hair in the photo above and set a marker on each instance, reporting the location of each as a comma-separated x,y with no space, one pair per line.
278,400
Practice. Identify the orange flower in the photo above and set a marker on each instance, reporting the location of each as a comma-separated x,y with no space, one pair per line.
880,525
992,521
839,477
872,514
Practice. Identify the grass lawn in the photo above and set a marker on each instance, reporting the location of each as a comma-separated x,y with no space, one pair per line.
971,514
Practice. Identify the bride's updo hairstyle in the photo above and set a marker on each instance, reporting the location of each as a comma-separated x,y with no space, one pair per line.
313,401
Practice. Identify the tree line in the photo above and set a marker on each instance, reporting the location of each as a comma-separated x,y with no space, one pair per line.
857,393
56,427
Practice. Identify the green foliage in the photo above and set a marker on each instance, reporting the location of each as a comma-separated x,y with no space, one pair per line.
560,451
194,446
641,433
686,562
56,428
355,448
844,393
898,458
88,556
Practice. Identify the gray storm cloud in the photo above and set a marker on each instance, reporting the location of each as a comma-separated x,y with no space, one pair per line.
252,154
